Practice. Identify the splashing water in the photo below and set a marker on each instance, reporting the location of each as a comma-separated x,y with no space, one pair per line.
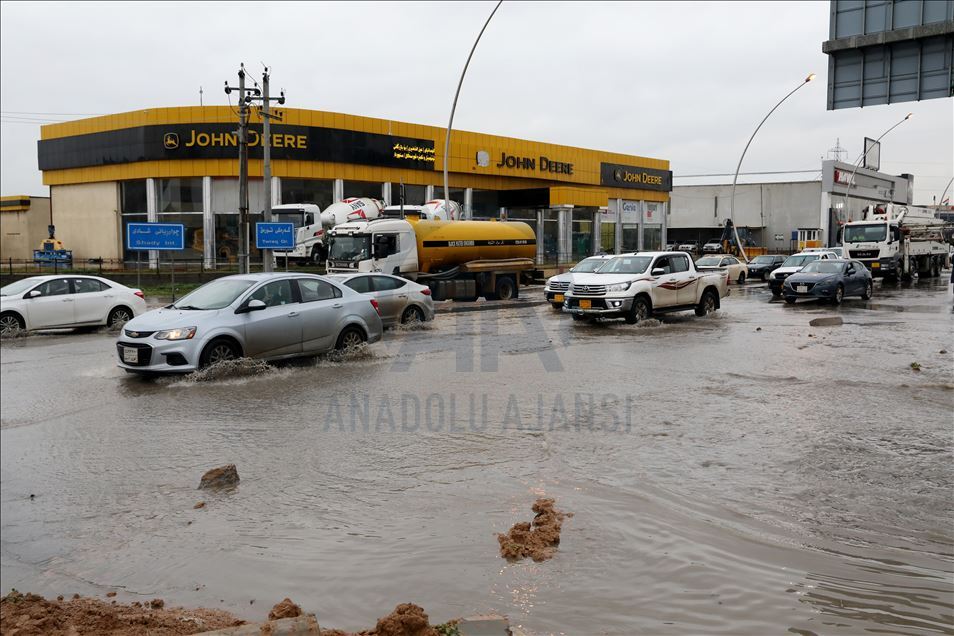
230,370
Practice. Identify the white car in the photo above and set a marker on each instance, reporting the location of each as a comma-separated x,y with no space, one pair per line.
738,271
792,264
837,251
557,286
400,301
55,302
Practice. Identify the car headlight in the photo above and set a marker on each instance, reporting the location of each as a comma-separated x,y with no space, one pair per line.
618,287
182,333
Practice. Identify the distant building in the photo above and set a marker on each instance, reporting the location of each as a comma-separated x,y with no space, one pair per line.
889,51
23,225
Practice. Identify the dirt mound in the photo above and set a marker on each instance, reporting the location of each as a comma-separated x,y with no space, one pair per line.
230,370
538,539
407,619
32,615
221,477
285,609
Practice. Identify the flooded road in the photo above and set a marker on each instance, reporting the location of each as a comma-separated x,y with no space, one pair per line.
741,473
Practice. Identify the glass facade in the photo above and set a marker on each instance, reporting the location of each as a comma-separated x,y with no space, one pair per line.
551,236
630,237
132,206
317,191
179,195
359,189
581,239
413,194
226,238
485,204
608,237
652,237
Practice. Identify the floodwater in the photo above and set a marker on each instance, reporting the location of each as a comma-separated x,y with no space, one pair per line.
741,473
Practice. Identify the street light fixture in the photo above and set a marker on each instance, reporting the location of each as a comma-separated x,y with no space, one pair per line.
450,123
851,179
735,230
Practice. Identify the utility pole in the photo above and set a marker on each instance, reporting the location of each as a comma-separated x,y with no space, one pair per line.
243,168
267,157
200,97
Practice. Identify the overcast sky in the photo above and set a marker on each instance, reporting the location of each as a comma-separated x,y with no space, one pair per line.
686,82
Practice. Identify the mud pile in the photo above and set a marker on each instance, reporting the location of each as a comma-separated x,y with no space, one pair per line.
32,615
538,539
407,619
285,609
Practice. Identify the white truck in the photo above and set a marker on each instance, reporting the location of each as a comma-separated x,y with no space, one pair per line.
459,260
311,225
636,286
897,241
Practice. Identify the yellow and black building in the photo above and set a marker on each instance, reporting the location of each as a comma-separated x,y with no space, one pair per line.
180,165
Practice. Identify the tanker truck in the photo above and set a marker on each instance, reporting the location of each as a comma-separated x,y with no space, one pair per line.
896,241
458,260
312,224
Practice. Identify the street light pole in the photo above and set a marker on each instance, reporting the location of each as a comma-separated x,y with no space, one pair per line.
738,167
851,179
450,124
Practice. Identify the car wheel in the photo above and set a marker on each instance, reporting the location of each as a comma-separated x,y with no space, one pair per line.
350,338
869,288
218,350
707,304
639,312
578,317
118,316
839,295
557,306
10,323
790,299
741,278
412,315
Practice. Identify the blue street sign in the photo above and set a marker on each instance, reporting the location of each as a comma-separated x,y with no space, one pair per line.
155,236
275,236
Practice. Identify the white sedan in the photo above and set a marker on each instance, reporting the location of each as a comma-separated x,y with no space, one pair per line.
55,302
738,271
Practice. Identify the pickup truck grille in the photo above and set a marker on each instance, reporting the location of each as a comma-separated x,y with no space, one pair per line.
863,253
588,290
559,286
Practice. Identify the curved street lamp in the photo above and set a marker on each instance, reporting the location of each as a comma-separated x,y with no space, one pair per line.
851,178
738,167
450,123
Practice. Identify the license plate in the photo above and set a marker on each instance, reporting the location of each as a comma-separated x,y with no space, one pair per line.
586,304
873,265
130,355
802,289
558,298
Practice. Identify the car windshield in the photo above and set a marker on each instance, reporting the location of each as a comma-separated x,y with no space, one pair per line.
18,287
295,218
824,267
626,265
215,295
354,247
588,265
709,261
763,260
865,233
797,260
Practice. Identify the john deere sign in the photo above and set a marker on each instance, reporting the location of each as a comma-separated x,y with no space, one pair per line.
620,176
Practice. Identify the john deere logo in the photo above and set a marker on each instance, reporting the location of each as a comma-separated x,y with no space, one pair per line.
170,141
618,175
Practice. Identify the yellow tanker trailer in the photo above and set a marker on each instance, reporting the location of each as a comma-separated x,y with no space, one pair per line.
461,260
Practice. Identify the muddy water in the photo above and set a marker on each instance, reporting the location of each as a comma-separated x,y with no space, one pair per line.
742,473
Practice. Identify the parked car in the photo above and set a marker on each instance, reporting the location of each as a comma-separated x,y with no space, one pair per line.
713,246
556,286
53,302
267,316
738,271
761,266
792,264
830,279
635,286
688,246
401,301
671,247
837,251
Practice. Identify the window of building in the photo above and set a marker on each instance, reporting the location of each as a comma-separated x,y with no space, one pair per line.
317,191
608,237
413,194
485,204
132,197
180,195
652,237
582,233
359,189
550,236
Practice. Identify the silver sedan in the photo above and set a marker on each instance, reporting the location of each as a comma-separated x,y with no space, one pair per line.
266,316
401,301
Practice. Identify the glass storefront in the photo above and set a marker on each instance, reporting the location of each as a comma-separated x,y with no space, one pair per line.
132,207
360,189
485,204
413,194
179,195
608,237
581,239
652,237
317,191
551,236
193,237
226,238
630,237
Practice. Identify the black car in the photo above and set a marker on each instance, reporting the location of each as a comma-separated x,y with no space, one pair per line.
761,266
833,279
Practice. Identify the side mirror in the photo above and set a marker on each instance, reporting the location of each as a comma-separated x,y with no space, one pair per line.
252,305
33,293
658,271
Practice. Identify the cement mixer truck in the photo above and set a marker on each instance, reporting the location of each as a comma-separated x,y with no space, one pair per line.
458,260
312,224
436,210
897,241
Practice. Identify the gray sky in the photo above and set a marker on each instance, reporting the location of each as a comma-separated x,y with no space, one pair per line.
686,82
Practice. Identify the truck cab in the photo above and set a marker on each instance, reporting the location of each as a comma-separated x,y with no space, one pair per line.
382,245
305,217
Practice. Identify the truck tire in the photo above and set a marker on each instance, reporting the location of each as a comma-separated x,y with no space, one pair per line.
639,311
504,289
708,303
316,258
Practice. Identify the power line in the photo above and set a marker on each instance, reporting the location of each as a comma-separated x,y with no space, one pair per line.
729,174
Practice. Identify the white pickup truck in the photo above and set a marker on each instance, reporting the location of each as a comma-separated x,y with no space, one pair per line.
635,286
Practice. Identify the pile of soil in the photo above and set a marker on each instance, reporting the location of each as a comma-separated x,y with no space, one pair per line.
407,619
285,609
538,539
32,615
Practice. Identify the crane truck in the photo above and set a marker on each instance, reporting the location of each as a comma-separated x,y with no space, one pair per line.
312,224
897,241
458,260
